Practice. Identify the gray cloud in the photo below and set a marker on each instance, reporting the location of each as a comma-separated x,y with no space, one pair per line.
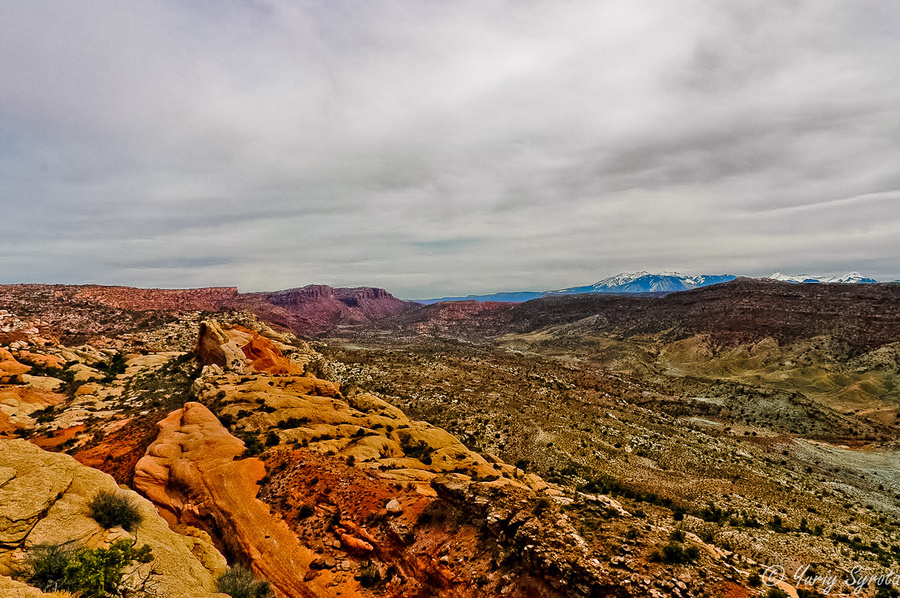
437,148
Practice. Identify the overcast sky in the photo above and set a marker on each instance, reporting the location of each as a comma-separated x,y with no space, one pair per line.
446,147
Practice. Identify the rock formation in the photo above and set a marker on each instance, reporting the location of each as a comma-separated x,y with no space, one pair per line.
194,474
230,348
44,499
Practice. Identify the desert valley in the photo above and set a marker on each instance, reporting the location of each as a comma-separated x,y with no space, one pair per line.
342,442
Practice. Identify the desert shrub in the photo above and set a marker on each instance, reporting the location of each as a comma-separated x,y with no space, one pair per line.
776,593
93,573
293,422
112,368
369,576
51,568
305,511
420,451
778,526
272,439
754,580
112,509
252,445
42,416
713,514
674,553
238,582
886,592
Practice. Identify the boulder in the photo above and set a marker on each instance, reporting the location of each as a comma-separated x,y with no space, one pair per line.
44,499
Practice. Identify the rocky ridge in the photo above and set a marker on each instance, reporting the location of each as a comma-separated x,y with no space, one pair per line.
861,317
73,313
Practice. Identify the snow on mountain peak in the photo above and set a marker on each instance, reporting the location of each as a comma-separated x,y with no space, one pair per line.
647,282
849,278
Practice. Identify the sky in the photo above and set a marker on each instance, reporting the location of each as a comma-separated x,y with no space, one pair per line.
446,147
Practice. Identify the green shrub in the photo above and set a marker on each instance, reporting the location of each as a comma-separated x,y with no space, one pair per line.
52,568
886,592
713,514
238,582
675,553
93,573
776,593
113,509
252,445
115,366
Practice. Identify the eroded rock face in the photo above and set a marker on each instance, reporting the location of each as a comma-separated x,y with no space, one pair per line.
191,474
44,499
239,349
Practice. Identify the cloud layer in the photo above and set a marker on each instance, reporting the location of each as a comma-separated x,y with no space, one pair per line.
436,148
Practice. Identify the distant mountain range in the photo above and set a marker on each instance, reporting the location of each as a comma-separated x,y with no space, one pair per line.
631,283
647,282
849,278
510,297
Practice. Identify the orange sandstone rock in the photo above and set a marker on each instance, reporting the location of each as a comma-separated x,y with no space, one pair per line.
238,349
191,474
58,438
355,545
11,370
39,359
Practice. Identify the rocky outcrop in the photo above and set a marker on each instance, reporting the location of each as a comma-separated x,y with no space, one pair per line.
21,394
194,474
44,499
238,349
19,401
10,369
308,411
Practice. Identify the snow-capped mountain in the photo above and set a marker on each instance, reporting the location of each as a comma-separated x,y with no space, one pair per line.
849,278
647,282
652,282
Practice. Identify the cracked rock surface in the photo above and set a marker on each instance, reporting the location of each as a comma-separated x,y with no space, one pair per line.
44,499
